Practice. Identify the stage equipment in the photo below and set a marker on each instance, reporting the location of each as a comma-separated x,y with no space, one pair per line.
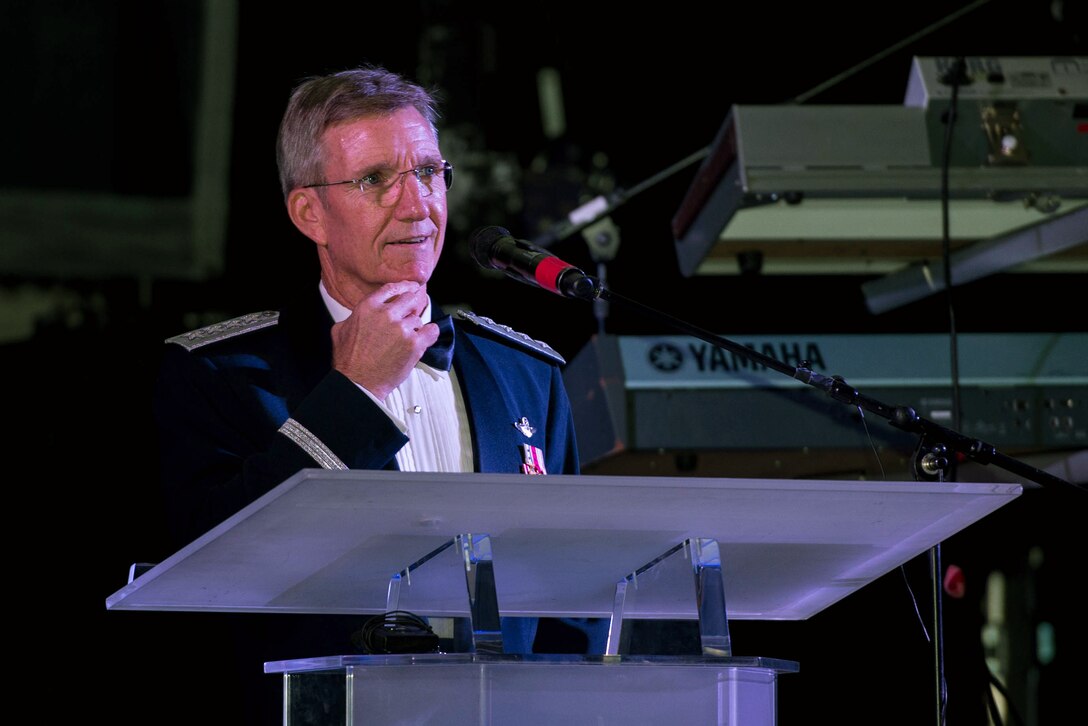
676,404
844,189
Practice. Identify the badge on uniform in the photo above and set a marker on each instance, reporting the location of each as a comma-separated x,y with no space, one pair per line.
532,460
525,427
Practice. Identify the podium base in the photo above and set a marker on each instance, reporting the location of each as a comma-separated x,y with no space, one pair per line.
467,688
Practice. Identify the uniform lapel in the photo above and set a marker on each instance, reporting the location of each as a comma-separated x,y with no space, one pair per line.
494,438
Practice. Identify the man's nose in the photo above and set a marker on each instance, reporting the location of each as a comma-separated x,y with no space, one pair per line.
410,193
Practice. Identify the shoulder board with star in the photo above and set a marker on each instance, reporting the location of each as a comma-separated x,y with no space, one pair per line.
508,333
226,329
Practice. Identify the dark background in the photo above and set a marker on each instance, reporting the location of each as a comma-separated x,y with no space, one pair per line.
102,103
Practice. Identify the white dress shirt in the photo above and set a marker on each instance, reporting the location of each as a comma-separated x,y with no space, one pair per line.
428,408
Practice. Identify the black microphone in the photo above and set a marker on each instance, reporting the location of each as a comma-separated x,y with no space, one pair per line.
493,248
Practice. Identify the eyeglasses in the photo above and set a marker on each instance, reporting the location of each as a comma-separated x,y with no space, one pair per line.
378,185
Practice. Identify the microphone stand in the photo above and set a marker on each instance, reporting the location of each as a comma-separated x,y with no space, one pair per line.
937,445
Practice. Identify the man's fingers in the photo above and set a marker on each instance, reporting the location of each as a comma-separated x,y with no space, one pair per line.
397,300
429,334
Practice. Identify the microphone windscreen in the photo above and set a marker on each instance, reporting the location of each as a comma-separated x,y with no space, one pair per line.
483,240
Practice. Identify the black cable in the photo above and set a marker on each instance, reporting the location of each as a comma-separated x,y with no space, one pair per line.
991,704
996,683
872,445
397,631
914,601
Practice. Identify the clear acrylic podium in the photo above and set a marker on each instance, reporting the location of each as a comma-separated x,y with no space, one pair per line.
475,546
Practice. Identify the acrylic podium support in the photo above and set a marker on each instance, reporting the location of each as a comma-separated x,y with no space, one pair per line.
486,686
561,546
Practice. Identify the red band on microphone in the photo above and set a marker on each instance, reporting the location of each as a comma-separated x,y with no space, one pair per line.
548,271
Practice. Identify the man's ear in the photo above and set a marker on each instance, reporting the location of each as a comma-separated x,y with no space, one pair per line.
305,209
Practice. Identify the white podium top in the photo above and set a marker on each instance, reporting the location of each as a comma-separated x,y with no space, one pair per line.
328,542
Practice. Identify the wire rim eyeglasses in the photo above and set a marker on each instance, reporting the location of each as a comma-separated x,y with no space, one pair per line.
377,184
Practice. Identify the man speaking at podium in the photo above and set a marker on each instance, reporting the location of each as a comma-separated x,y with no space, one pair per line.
364,371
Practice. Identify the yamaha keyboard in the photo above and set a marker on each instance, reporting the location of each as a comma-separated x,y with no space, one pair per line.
675,404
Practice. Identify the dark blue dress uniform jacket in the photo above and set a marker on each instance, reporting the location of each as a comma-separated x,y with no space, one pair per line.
225,391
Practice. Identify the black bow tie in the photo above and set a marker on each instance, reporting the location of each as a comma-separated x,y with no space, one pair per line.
440,355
